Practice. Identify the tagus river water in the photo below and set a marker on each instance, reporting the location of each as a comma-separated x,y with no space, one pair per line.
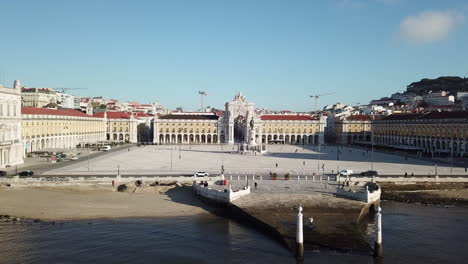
412,234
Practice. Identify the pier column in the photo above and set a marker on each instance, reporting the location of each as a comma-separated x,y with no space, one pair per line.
378,234
299,235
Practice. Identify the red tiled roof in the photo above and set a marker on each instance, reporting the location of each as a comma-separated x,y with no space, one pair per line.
141,114
113,115
48,111
363,117
287,117
194,117
430,115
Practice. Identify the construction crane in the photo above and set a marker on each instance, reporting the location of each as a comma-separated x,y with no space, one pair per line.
202,93
66,89
316,97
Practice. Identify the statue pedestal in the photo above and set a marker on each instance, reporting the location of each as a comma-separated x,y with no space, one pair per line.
252,143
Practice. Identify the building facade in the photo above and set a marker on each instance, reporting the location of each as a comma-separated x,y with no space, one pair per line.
47,129
433,133
186,128
121,127
37,97
354,129
11,146
240,123
65,100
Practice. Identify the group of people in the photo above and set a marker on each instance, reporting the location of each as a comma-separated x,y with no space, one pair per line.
204,183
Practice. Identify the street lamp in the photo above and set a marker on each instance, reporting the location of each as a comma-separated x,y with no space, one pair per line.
372,143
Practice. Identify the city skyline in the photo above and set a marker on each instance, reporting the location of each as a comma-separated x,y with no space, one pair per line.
276,53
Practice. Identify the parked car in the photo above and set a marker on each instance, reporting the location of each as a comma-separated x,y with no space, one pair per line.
346,172
201,174
369,173
26,173
3,173
106,148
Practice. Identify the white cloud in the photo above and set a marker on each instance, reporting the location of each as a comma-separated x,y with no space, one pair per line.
430,26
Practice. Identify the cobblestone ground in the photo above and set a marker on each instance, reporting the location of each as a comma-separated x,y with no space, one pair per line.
282,186
187,159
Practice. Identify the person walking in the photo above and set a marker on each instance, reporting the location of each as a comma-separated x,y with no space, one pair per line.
255,184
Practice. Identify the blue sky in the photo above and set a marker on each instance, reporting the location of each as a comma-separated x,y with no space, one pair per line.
276,52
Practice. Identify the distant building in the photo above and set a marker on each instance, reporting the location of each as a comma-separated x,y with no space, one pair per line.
432,133
384,102
65,100
440,98
11,146
37,97
354,129
121,126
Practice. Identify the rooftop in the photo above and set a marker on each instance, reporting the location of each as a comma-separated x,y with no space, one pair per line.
113,115
363,117
288,117
190,116
429,115
49,111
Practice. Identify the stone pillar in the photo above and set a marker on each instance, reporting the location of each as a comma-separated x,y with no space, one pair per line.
299,235
156,133
378,234
231,133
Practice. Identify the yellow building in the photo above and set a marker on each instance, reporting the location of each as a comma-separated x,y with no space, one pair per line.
186,128
430,133
291,129
204,128
45,128
354,129
241,124
121,126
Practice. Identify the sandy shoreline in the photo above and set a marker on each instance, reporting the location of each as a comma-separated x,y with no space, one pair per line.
95,202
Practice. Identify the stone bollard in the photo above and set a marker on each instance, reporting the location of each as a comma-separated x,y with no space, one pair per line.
313,178
328,178
238,177
298,177
299,235
378,234
306,177
230,177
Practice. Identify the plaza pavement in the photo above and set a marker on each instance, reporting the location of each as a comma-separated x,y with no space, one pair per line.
186,159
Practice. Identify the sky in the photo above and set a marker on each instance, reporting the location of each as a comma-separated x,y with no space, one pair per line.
276,52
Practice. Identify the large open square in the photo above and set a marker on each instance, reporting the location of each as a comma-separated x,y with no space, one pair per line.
187,159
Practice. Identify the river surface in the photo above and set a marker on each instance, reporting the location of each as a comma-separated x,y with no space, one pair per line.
411,234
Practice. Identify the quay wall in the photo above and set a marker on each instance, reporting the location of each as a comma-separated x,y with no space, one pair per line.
406,179
98,180
219,196
364,196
